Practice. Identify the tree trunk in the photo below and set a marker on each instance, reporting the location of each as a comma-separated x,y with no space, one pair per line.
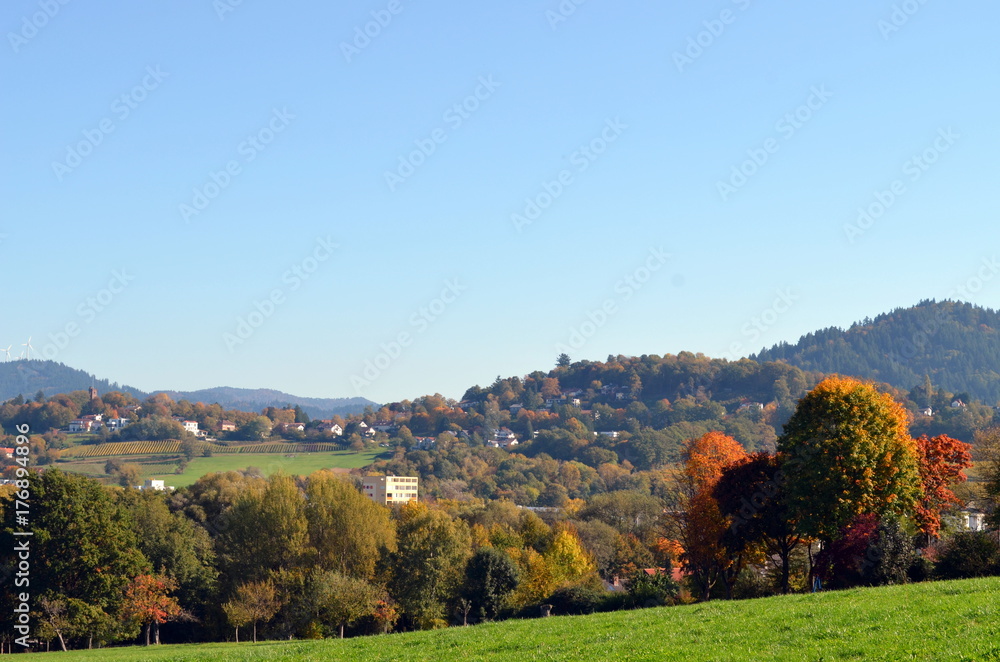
62,642
255,632
156,632
90,642
237,634
341,630
146,633
785,571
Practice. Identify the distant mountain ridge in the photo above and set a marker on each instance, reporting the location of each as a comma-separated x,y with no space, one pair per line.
28,377
957,344
256,399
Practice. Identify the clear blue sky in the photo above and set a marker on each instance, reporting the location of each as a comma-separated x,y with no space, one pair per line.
670,122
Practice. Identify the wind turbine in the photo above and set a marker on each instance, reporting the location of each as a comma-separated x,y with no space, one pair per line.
29,347
7,351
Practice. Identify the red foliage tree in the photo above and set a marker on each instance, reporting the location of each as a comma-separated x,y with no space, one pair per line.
942,463
147,601
839,563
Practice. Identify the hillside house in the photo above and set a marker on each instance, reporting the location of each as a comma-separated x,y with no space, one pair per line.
425,443
227,426
89,423
503,438
331,427
155,486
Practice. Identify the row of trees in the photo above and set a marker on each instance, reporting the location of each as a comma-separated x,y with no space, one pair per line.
846,478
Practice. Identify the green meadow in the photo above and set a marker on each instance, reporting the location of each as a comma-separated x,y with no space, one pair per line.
935,621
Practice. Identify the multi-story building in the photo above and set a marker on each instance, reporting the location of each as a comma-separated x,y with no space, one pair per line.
390,490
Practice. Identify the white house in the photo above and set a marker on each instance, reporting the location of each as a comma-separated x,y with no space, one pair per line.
973,519
155,485
88,423
612,434
504,438
117,423
331,427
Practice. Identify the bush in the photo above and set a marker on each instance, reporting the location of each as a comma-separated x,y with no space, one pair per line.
969,554
576,600
889,555
652,590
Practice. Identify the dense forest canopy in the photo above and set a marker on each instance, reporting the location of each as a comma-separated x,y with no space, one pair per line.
957,344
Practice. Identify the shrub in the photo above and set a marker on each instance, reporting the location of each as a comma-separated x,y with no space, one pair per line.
888,556
969,554
657,590
576,600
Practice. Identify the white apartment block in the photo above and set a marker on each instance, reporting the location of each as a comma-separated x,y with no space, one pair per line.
390,490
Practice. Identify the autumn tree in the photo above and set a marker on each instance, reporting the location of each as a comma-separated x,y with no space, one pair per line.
148,603
846,451
699,522
750,495
254,602
942,462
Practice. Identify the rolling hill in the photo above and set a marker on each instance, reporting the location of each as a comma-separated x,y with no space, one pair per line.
28,377
934,621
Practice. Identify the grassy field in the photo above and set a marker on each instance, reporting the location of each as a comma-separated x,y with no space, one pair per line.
934,621
154,466
301,464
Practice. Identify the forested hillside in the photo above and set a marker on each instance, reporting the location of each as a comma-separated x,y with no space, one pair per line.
957,344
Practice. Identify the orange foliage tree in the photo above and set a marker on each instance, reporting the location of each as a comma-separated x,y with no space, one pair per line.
701,525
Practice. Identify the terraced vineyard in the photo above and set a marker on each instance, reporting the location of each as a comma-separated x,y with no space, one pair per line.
124,448
278,447
116,448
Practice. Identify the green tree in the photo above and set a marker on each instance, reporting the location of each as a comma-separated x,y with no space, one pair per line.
490,577
846,452
85,546
341,600
257,429
429,563
348,531
176,547
257,522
